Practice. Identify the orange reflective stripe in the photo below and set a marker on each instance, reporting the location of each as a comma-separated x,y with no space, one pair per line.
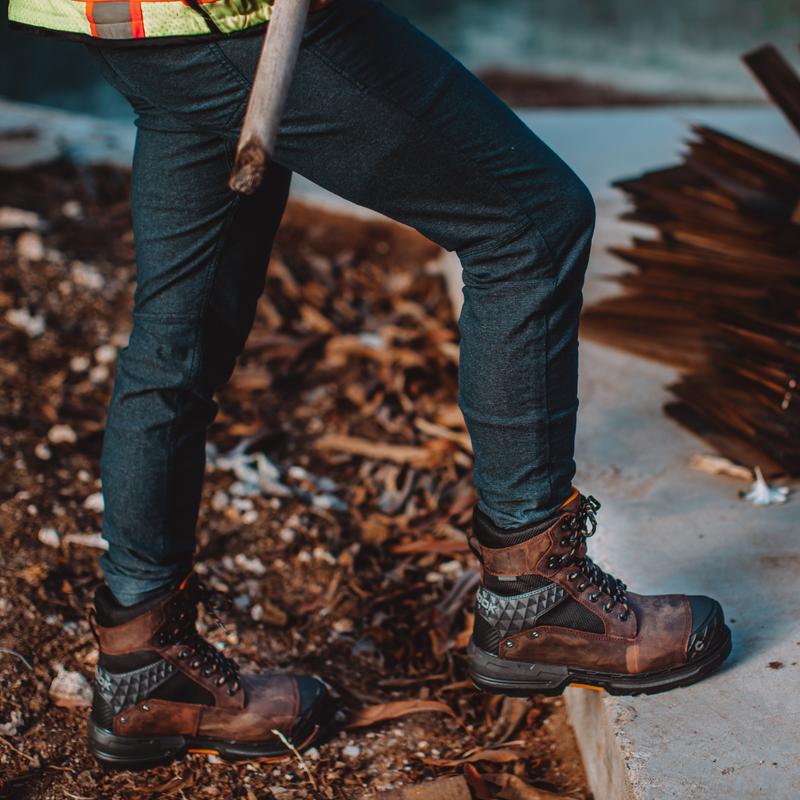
90,17
137,24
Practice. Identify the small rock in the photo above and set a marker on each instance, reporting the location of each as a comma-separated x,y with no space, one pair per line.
70,689
49,537
43,452
62,434
252,565
257,613
287,535
30,246
94,502
351,751
242,602
22,319
99,374
11,727
72,209
17,219
79,363
105,354
250,517
220,500
343,626
86,277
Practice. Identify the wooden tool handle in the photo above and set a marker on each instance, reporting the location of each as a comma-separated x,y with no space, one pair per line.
268,95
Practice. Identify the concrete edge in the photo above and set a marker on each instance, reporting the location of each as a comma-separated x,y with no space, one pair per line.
598,723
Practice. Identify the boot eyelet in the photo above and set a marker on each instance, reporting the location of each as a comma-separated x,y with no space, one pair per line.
535,634
207,673
699,646
573,576
145,707
623,617
509,644
608,607
194,664
220,681
593,598
231,691
580,587
184,654
123,720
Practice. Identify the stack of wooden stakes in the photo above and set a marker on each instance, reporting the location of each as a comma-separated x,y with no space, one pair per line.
717,294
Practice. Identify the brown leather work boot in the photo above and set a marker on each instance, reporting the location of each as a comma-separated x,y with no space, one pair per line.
547,616
161,690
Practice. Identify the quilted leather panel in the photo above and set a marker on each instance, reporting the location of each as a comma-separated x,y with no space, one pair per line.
124,689
518,612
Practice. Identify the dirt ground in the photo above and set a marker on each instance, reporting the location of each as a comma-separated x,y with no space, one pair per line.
341,545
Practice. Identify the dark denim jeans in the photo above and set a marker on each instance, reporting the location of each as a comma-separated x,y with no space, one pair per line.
381,115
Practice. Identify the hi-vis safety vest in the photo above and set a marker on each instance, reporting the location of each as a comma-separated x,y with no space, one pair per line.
139,19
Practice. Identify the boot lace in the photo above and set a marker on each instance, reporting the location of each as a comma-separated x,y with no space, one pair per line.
579,527
180,628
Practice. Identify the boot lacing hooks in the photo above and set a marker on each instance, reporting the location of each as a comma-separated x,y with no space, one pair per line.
180,629
581,525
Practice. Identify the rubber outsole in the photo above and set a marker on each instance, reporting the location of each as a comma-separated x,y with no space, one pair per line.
138,753
497,675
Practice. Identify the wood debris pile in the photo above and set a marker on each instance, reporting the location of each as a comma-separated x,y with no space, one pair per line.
717,294
338,492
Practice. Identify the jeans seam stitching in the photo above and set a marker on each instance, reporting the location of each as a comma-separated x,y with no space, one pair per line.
237,75
524,226
196,344
229,66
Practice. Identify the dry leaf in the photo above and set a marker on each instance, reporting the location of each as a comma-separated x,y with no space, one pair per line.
514,788
497,756
476,782
372,715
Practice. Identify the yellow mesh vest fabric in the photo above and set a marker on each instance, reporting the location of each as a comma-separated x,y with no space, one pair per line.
138,19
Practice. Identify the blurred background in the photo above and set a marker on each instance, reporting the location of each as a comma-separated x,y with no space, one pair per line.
673,48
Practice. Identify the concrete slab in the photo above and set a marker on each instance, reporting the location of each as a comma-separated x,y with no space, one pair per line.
662,526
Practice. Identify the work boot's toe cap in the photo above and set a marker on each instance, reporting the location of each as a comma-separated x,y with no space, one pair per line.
316,709
708,626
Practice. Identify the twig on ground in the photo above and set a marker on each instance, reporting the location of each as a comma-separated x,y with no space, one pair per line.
18,655
299,758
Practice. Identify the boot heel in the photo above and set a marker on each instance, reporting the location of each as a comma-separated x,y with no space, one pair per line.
130,752
516,678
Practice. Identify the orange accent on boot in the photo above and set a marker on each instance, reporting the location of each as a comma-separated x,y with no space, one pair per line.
572,496
586,686
183,583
